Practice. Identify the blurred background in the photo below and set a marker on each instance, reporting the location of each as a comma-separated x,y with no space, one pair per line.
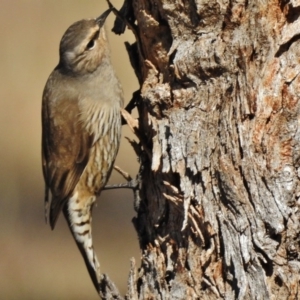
35,262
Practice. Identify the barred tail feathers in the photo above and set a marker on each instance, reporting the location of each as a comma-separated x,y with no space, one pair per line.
79,219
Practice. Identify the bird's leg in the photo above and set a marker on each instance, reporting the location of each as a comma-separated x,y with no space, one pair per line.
131,183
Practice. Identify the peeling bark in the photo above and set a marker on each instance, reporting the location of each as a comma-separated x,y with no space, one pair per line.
219,126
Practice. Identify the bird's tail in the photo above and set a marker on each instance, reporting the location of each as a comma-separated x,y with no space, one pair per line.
80,223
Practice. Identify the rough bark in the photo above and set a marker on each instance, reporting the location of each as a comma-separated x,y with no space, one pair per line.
218,216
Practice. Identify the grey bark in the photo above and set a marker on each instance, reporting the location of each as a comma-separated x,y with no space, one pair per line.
219,129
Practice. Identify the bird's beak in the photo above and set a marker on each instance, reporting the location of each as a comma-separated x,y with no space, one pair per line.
101,19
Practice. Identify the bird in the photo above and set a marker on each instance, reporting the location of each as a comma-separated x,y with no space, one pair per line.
81,131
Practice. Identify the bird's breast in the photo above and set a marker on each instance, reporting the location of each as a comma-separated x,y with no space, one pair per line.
104,124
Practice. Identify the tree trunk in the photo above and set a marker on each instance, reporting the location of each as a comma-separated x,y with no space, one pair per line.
218,214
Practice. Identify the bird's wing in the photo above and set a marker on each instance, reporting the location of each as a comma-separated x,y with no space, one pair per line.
65,150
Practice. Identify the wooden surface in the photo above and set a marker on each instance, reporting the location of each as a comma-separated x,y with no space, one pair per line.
219,126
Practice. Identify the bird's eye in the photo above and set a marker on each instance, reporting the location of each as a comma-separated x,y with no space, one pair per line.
90,45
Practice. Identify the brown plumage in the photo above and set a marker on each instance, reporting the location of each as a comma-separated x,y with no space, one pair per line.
81,130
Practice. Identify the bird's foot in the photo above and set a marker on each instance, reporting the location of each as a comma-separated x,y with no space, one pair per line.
132,183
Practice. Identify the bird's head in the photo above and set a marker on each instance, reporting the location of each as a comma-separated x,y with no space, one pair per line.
84,45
